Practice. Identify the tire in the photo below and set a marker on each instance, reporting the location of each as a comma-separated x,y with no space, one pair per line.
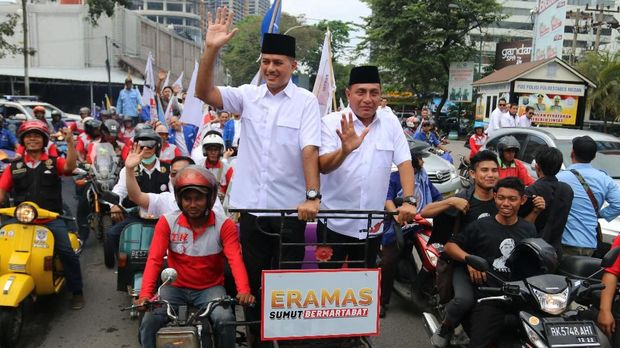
109,249
11,320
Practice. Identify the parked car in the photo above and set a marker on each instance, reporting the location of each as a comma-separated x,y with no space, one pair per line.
16,111
531,139
448,124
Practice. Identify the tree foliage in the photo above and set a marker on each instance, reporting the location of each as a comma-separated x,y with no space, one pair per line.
98,7
604,70
414,41
7,30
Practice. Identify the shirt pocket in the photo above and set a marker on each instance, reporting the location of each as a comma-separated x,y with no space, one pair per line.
384,152
287,130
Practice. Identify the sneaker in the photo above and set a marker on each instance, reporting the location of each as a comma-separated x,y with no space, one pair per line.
437,340
77,302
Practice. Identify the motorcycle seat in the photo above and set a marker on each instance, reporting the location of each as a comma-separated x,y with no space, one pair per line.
580,267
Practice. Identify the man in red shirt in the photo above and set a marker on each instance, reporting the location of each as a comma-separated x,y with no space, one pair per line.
213,150
36,178
507,148
197,241
606,318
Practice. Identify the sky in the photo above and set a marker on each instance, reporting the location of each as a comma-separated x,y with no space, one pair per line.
316,10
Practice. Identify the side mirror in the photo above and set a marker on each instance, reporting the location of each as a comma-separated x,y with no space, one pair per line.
111,198
610,258
168,275
478,263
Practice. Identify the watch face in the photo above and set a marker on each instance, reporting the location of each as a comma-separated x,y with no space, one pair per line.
311,194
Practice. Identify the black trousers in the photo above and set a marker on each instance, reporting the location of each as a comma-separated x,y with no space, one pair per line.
355,254
463,300
261,252
390,256
487,322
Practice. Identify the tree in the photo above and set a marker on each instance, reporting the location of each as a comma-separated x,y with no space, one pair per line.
7,30
603,68
414,41
97,7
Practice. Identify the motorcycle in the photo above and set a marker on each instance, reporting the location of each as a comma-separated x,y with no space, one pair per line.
134,244
28,266
541,313
61,144
463,171
184,328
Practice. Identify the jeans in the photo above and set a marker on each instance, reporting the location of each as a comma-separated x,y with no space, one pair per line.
83,210
115,232
157,318
62,247
463,300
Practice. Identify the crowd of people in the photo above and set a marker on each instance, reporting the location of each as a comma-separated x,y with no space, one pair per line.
268,147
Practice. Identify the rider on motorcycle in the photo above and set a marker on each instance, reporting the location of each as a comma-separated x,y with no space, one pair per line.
109,134
92,132
197,241
425,193
477,139
168,151
213,150
7,139
36,178
424,134
84,115
57,123
509,165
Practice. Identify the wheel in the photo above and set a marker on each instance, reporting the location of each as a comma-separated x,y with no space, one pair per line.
109,249
11,320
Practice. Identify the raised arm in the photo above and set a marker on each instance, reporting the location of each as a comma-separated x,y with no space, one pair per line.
218,34
133,189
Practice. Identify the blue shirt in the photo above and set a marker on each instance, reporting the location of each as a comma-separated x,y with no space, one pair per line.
7,140
128,101
580,229
430,138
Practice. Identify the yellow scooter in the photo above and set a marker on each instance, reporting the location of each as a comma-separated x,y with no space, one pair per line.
28,266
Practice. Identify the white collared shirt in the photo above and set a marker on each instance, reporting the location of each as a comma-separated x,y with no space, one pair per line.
494,120
121,186
361,182
524,121
165,202
507,120
269,172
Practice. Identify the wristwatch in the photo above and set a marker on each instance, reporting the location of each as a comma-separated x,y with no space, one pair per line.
313,194
410,200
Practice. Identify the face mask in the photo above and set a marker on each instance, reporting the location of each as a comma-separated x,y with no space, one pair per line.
149,160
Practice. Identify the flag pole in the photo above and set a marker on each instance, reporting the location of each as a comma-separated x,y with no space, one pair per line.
331,68
274,15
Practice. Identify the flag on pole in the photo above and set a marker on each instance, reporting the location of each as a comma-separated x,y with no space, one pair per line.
108,103
271,24
179,82
192,109
149,82
165,82
325,83
342,105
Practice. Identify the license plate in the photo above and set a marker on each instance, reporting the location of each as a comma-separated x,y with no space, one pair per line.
572,334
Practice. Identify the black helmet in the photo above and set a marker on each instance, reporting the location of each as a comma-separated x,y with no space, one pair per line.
90,126
104,114
418,149
530,257
56,113
508,142
111,127
148,137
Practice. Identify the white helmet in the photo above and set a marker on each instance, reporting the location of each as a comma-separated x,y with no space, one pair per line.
212,139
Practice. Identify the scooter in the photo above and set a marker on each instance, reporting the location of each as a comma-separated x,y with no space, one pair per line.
134,244
541,314
28,266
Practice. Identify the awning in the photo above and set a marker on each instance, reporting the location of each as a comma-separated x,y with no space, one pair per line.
70,74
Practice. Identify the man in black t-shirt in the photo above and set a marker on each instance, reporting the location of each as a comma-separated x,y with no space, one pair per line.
453,215
492,238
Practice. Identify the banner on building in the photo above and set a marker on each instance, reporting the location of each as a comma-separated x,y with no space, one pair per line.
511,53
554,103
320,303
549,29
460,82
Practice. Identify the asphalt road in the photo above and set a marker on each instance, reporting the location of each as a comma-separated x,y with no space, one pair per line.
49,322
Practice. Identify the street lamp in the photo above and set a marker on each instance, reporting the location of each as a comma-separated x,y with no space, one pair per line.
24,15
291,28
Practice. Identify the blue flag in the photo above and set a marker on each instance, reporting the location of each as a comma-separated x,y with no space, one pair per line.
274,10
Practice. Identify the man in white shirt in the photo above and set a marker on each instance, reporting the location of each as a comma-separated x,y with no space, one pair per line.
494,119
525,120
384,107
358,147
510,118
277,165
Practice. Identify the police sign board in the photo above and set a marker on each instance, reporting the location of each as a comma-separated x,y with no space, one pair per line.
305,304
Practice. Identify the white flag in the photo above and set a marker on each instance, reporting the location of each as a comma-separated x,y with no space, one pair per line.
165,82
342,105
192,109
179,82
149,82
325,83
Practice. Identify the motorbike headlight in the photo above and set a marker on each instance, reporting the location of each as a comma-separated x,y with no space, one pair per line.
533,337
25,213
552,303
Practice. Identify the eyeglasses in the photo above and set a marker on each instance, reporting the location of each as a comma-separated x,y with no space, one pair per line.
147,143
502,104
530,113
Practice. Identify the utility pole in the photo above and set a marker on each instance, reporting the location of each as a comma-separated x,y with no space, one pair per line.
599,12
25,48
577,16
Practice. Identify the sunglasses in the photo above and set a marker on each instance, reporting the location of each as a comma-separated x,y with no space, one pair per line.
147,143
502,104
530,113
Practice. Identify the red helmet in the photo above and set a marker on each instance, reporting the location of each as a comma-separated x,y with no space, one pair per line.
198,178
33,126
38,108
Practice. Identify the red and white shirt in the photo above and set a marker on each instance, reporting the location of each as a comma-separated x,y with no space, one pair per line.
169,152
198,256
223,173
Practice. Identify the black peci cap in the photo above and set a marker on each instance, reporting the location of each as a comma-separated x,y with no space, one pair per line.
364,74
278,44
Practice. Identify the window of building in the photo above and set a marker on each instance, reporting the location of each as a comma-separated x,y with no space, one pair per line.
174,7
175,20
152,5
